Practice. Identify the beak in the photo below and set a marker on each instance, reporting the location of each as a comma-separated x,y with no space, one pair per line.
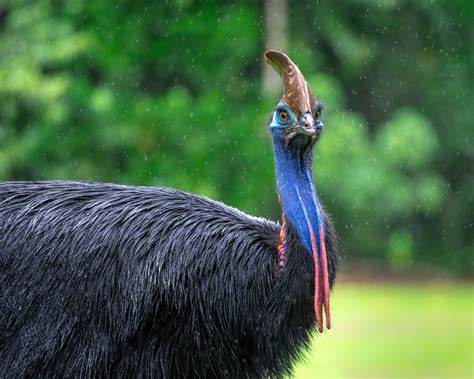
306,124
305,127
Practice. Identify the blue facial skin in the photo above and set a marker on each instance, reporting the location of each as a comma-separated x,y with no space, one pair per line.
295,180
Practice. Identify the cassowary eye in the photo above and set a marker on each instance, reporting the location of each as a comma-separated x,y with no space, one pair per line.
283,116
317,116
317,113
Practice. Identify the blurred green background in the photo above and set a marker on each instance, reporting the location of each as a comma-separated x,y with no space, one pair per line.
176,94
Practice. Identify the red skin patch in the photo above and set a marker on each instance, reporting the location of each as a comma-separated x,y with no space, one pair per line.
281,246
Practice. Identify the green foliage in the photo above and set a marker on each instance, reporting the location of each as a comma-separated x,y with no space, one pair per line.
170,94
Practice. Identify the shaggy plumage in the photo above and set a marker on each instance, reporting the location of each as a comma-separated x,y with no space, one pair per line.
108,280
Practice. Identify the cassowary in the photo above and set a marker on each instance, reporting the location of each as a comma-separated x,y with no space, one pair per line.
102,280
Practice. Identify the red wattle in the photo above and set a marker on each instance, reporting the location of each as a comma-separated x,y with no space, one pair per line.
321,282
324,264
317,284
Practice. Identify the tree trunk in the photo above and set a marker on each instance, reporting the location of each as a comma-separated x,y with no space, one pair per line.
276,30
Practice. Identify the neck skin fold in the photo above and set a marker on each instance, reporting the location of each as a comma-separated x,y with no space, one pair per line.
302,209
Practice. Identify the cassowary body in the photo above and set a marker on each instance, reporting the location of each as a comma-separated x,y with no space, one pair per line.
117,280
108,280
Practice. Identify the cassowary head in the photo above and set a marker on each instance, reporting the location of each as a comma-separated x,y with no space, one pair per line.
296,125
298,115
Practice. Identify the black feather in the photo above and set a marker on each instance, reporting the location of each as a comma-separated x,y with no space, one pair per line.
108,280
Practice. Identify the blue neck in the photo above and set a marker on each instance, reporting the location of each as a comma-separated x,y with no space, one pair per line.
297,191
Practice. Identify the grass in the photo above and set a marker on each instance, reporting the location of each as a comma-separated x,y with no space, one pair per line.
395,331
